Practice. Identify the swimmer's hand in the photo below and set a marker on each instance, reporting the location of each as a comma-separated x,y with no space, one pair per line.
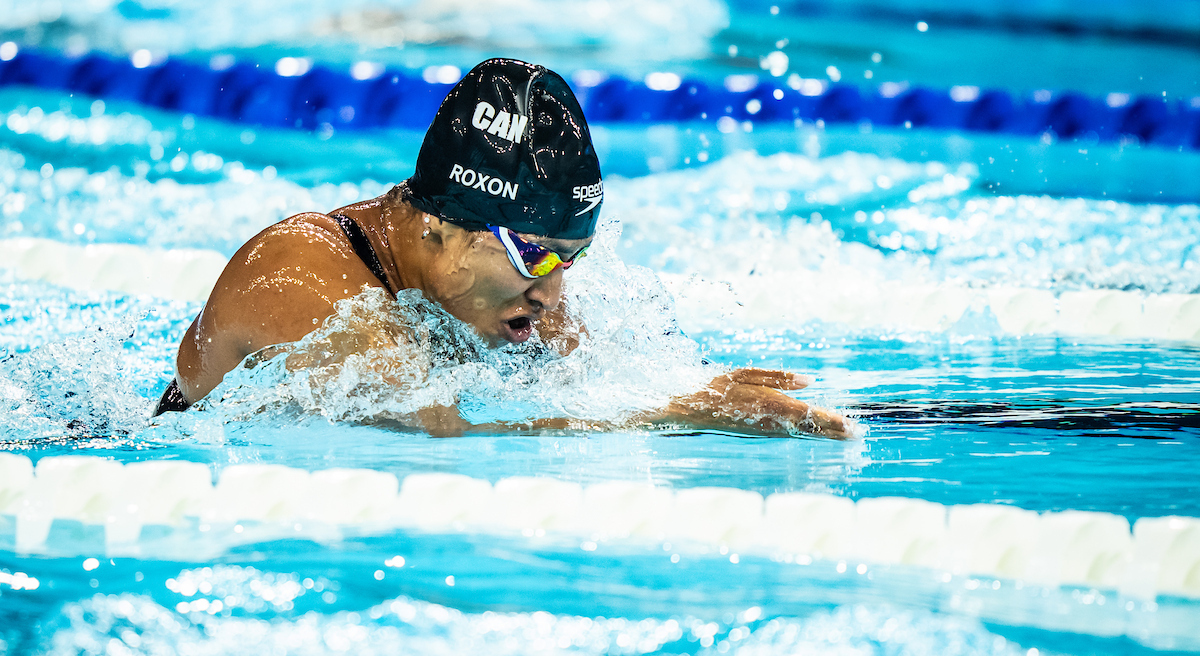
751,398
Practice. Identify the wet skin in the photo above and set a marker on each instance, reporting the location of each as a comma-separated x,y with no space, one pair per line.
284,282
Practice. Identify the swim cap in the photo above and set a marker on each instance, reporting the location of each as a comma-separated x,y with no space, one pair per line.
509,146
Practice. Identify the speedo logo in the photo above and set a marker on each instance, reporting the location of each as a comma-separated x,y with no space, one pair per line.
590,194
502,124
483,182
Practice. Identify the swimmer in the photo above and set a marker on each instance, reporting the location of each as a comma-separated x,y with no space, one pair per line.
503,202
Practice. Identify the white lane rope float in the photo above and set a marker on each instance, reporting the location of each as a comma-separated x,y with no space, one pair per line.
1155,556
190,274
177,274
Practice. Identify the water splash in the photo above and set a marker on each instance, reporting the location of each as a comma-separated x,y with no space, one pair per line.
74,205
855,220
765,213
82,363
407,353
76,387
1056,243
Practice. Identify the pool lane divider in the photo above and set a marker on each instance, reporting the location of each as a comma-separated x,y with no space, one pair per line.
863,303
190,274
1156,556
177,274
293,94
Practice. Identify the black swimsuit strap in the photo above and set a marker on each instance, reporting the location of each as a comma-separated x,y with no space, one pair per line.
362,248
172,400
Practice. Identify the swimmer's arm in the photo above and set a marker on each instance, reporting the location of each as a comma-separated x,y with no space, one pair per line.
743,401
445,421
277,288
751,399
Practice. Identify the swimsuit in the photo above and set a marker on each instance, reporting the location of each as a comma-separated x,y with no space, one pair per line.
172,399
362,248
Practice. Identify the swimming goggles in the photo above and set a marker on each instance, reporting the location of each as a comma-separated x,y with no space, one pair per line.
531,260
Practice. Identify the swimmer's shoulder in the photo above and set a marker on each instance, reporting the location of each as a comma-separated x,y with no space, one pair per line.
284,277
278,287
309,246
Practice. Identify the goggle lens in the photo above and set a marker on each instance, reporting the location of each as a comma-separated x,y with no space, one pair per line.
531,260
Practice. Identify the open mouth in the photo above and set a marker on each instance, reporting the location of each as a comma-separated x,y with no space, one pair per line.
518,330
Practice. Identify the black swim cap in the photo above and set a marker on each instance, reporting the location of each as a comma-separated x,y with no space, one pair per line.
509,146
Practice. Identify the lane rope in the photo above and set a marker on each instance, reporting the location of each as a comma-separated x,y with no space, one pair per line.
190,274
294,94
1156,556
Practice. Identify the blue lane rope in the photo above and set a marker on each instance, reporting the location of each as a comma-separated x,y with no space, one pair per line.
252,94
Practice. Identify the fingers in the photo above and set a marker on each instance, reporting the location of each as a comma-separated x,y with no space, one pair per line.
774,409
731,402
812,419
830,424
782,380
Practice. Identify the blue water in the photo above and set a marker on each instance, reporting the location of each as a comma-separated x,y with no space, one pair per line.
968,414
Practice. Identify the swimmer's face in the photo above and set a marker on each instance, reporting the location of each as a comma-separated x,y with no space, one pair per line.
472,277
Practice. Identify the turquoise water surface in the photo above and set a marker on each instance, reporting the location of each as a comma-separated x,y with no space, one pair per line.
963,414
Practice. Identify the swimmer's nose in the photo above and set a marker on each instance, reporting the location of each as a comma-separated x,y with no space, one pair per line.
546,292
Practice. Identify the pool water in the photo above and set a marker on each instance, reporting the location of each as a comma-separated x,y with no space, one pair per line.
739,248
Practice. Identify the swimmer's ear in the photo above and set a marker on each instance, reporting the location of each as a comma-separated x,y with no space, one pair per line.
433,228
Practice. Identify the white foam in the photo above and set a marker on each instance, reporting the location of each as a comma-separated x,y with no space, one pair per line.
1090,549
786,235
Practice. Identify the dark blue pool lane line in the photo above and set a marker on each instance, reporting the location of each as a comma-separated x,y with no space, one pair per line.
255,94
